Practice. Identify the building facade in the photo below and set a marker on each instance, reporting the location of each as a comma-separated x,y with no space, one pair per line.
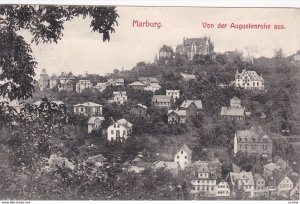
183,157
88,109
195,46
83,84
162,101
235,111
139,109
249,80
174,93
119,131
95,123
253,140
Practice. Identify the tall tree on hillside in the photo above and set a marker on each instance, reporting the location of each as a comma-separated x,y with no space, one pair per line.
46,24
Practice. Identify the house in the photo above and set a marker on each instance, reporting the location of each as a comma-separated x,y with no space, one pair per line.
222,189
152,87
5,103
270,185
119,97
235,111
269,168
176,116
88,109
138,165
115,82
188,77
100,87
285,185
165,52
97,160
137,85
53,81
252,141
260,189
162,101
203,180
65,82
82,85
173,93
195,46
243,180
44,81
183,157
95,123
192,107
148,80
172,167
249,80
139,109
119,131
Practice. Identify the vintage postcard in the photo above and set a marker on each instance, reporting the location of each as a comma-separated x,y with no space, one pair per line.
149,103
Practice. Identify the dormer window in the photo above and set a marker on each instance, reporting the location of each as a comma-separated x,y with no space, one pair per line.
181,152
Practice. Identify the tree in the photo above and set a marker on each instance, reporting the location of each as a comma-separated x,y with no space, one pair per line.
46,24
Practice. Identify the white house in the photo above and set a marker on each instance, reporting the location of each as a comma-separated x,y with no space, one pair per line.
249,80
285,185
222,189
174,93
243,180
95,123
119,97
100,87
88,109
152,87
82,85
183,157
119,131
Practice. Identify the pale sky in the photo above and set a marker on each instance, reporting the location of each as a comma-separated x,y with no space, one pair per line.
81,50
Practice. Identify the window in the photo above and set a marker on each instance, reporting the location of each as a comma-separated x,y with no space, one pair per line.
181,152
177,157
118,125
240,139
257,83
253,83
185,157
115,126
112,132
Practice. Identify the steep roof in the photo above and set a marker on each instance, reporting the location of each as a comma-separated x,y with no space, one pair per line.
270,166
252,75
161,98
186,149
178,112
125,123
254,132
185,104
242,176
233,111
89,104
93,118
197,41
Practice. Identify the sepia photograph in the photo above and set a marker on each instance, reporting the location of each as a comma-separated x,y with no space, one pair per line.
101,102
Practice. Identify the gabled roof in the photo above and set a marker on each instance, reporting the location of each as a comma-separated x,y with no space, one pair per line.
137,83
252,74
185,104
177,112
154,85
161,98
232,111
89,104
270,166
92,119
125,123
242,176
151,79
186,149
